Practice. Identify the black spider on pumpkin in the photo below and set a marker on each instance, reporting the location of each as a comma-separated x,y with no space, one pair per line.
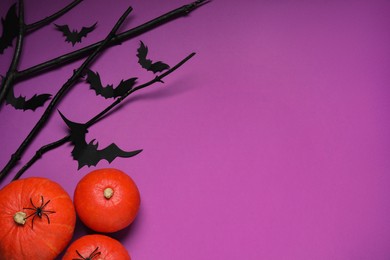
39,211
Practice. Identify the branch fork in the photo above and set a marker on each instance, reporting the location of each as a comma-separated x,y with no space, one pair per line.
91,52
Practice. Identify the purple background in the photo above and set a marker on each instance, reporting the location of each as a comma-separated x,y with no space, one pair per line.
271,143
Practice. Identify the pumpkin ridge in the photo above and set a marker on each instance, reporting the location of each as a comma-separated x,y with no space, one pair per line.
49,246
6,233
21,248
62,225
62,196
13,232
45,239
40,239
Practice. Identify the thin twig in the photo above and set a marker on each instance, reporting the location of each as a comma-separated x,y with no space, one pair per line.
11,74
38,154
120,99
51,18
61,60
44,149
66,87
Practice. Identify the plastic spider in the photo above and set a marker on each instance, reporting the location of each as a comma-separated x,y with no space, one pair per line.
90,257
39,211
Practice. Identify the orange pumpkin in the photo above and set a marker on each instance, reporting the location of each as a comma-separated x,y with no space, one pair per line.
37,219
96,247
106,200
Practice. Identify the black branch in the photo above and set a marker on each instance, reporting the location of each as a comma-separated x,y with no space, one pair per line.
14,75
65,88
21,30
48,147
39,24
75,55
11,74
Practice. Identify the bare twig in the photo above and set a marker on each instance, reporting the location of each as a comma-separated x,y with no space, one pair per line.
38,154
120,99
11,74
96,118
61,60
71,81
51,18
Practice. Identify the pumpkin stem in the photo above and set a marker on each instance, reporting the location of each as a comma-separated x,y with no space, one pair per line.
20,217
108,193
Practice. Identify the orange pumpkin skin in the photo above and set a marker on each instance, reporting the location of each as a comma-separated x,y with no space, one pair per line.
97,247
36,238
103,214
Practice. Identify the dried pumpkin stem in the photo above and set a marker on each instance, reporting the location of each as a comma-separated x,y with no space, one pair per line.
20,217
108,193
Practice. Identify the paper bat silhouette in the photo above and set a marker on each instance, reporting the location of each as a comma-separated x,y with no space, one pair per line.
10,28
147,64
74,36
88,153
23,104
109,91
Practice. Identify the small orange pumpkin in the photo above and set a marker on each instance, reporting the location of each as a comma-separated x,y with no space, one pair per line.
106,200
97,247
37,219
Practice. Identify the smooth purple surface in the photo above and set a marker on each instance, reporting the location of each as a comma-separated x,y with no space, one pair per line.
271,143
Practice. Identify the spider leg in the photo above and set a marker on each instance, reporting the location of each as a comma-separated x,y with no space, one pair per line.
44,205
94,253
32,203
31,208
47,217
39,211
79,255
32,221
42,202
29,216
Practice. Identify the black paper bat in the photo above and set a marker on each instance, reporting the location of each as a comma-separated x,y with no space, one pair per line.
88,153
109,91
10,28
147,64
74,36
23,104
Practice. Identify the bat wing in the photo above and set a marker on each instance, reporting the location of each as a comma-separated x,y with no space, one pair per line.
109,91
148,64
142,52
113,151
95,83
77,134
91,155
22,103
74,36
81,149
124,87
64,29
85,155
69,36
36,101
85,31
10,28
158,67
